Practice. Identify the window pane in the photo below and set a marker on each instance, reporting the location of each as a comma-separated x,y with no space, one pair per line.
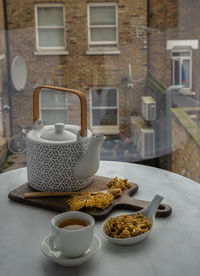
102,16
54,116
51,37
177,72
53,99
181,54
104,117
50,16
106,97
186,73
103,34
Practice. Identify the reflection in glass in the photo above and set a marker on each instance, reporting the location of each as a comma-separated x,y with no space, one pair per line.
104,117
53,106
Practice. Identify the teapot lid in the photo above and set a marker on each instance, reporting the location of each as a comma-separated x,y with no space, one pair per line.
58,133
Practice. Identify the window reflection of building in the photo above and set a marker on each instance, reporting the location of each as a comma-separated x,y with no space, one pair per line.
80,45
102,24
104,110
53,106
104,27
181,68
50,27
173,61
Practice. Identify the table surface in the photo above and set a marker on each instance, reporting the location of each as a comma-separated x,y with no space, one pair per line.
172,249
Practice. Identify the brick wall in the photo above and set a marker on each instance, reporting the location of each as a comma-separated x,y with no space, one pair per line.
2,44
164,17
176,20
186,152
4,114
4,117
79,70
173,20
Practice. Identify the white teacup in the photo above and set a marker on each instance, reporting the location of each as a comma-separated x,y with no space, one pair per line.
71,243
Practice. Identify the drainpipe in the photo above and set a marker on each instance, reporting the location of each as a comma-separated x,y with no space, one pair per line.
148,25
169,91
8,67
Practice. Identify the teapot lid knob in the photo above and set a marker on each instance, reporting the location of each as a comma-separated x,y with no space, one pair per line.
59,127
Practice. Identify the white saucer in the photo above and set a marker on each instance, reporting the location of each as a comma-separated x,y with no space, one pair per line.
58,258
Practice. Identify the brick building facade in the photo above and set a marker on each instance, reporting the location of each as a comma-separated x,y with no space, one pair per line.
176,38
83,62
164,19
186,142
174,59
3,64
96,55
4,105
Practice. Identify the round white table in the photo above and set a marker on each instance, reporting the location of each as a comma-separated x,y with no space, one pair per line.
171,250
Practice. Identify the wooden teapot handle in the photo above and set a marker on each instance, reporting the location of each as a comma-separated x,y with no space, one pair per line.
81,95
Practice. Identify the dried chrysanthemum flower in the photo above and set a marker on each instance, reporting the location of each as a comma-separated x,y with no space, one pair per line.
115,191
100,201
127,226
116,182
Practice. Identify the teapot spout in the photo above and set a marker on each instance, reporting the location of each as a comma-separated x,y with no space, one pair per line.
88,164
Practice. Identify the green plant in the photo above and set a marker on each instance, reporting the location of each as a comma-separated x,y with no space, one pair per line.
8,164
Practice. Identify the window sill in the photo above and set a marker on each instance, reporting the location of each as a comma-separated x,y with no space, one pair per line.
51,53
103,51
106,130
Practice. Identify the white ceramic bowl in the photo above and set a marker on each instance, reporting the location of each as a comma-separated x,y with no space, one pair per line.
127,241
149,211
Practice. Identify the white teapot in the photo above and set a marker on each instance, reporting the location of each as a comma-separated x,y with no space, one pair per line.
61,157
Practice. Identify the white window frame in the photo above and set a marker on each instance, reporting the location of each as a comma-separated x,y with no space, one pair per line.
96,43
194,44
108,129
51,108
48,5
181,58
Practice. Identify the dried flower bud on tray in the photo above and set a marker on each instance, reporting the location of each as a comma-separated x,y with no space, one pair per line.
99,200
116,182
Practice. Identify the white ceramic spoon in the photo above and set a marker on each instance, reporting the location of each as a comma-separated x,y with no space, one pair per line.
149,211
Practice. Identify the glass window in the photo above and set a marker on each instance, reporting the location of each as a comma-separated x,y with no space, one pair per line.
104,107
181,69
50,16
50,27
53,107
126,57
105,97
180,54
102,24
104,117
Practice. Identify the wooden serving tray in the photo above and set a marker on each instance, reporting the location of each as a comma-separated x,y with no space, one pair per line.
59,204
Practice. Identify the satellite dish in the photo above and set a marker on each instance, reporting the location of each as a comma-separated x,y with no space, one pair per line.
18,73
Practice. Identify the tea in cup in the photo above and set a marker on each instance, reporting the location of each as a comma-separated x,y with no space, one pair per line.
72,233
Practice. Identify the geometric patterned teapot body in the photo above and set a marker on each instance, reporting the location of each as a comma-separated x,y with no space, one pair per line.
61,157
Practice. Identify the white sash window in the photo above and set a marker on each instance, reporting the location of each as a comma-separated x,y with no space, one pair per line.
50,26
102,24
104,110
